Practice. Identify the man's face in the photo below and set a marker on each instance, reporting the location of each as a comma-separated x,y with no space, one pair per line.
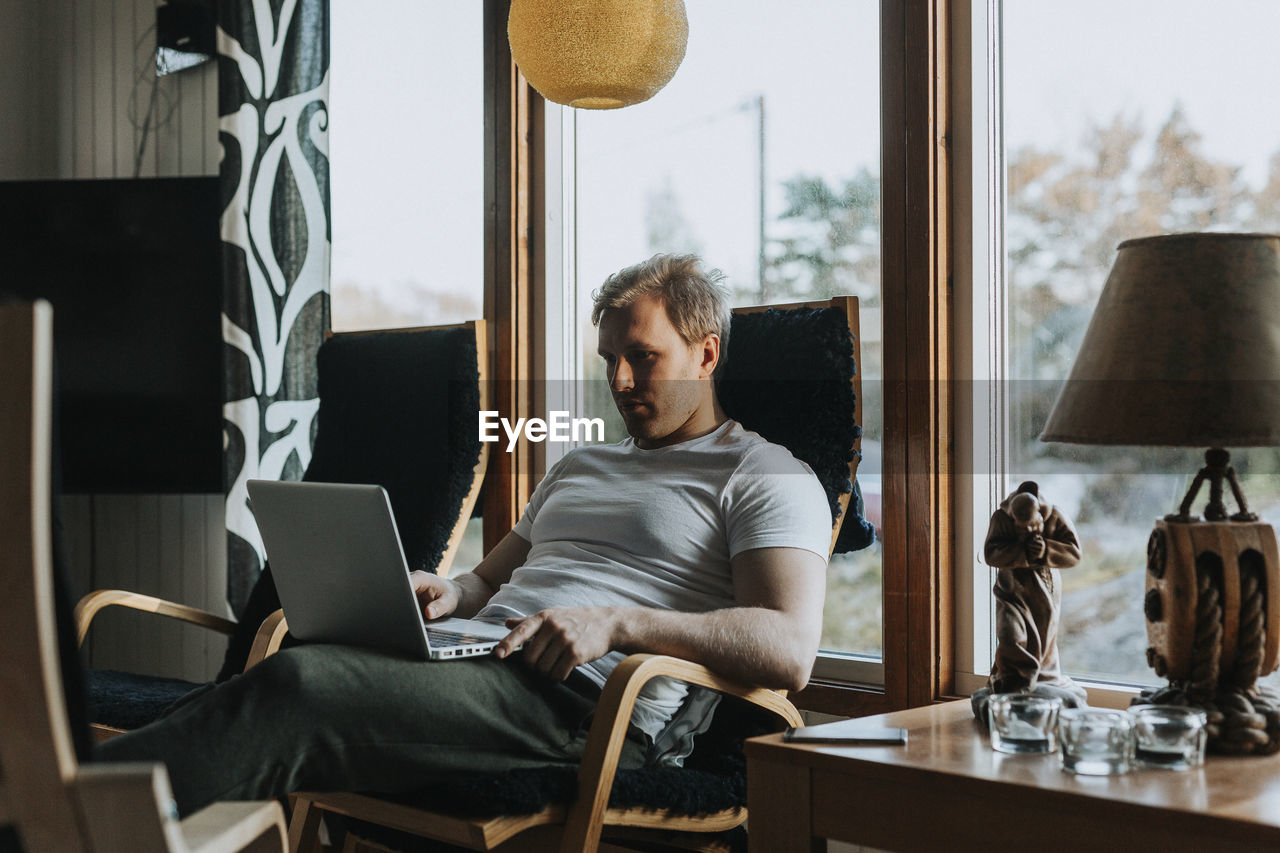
660,384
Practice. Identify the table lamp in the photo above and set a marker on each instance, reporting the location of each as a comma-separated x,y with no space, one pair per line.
1184,350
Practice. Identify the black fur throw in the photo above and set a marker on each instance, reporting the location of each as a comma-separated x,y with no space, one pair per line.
713,778
788,377
128,700
399,409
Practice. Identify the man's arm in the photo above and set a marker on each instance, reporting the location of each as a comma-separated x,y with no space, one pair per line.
466,593
770,638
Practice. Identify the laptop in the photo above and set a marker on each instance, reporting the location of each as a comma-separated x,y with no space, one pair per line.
342,576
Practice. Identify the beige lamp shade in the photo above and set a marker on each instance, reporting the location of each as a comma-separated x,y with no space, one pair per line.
597,54
1183,348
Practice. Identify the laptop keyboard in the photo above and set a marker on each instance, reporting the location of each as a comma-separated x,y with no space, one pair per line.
447,639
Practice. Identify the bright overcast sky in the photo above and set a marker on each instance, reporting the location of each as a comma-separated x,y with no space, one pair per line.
1089,59
406,144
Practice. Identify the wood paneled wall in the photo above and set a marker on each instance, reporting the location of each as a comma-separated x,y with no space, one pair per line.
75,87
171,546
76,79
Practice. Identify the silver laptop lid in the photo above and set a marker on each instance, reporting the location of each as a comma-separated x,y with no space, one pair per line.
338,566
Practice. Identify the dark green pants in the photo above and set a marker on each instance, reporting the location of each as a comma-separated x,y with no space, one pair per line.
334,718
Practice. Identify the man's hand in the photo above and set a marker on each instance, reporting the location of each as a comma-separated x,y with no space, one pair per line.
437,596
560,638
1036,547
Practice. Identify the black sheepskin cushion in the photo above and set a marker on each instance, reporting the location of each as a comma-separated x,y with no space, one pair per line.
799,394
399,409
713,779
127,700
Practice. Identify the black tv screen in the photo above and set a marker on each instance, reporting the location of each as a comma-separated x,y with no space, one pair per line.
132,268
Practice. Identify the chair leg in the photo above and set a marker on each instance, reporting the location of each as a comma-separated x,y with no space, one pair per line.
359,845
304,827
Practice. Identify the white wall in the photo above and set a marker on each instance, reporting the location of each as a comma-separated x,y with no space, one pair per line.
76,77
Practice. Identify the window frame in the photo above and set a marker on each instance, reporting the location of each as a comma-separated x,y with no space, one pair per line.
509,286
978,354
916,274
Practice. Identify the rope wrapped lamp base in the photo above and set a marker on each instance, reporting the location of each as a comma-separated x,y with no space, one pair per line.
1213,607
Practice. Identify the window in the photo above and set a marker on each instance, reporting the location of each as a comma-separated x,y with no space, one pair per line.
407,164
407,172
1148,124
763,156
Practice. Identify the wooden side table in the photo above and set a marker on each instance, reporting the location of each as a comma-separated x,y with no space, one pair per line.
948,790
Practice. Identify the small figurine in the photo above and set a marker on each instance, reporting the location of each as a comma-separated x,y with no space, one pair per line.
1028,540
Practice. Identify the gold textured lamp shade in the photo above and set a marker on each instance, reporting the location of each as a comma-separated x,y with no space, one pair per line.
1183,348
597,54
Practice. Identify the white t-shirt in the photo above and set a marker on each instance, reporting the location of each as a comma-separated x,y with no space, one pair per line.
617,525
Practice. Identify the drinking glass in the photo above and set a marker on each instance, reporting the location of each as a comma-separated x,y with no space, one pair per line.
1169,736
1095,741
1023,722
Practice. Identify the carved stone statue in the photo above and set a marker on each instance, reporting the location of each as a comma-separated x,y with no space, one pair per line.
1028,540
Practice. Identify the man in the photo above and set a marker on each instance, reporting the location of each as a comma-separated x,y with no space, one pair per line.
692,537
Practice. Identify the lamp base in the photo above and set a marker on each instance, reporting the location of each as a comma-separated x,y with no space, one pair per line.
1213,627
1239,721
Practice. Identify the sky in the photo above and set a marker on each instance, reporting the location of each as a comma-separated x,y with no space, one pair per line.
406,140
1066,63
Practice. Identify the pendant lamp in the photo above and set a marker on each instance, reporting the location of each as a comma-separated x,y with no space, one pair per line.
597,54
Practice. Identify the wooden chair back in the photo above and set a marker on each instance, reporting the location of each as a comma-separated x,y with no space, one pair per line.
46,797
848,306
37,757
479,332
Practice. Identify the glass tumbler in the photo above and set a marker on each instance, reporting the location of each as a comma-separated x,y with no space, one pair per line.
1169,736
1023,722
1095,741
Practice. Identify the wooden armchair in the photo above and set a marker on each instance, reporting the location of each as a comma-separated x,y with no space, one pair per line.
398,408
48,800
581,824
802,359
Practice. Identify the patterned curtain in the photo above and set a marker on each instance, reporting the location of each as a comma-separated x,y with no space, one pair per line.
273,90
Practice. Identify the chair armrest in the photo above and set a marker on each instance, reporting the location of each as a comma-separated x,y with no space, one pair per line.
89,606
230,827
130,807
609,731
267,641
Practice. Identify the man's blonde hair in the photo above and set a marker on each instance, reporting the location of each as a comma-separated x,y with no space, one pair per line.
695,300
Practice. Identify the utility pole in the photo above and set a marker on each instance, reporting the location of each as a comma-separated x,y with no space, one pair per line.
764,296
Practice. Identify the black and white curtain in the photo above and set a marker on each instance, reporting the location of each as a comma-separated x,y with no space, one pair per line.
273,92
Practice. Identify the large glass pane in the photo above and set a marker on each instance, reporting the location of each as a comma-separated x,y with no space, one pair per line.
763,156
406,146
406,149
1152,117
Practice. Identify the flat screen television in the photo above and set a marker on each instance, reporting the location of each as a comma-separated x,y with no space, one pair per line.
133,270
